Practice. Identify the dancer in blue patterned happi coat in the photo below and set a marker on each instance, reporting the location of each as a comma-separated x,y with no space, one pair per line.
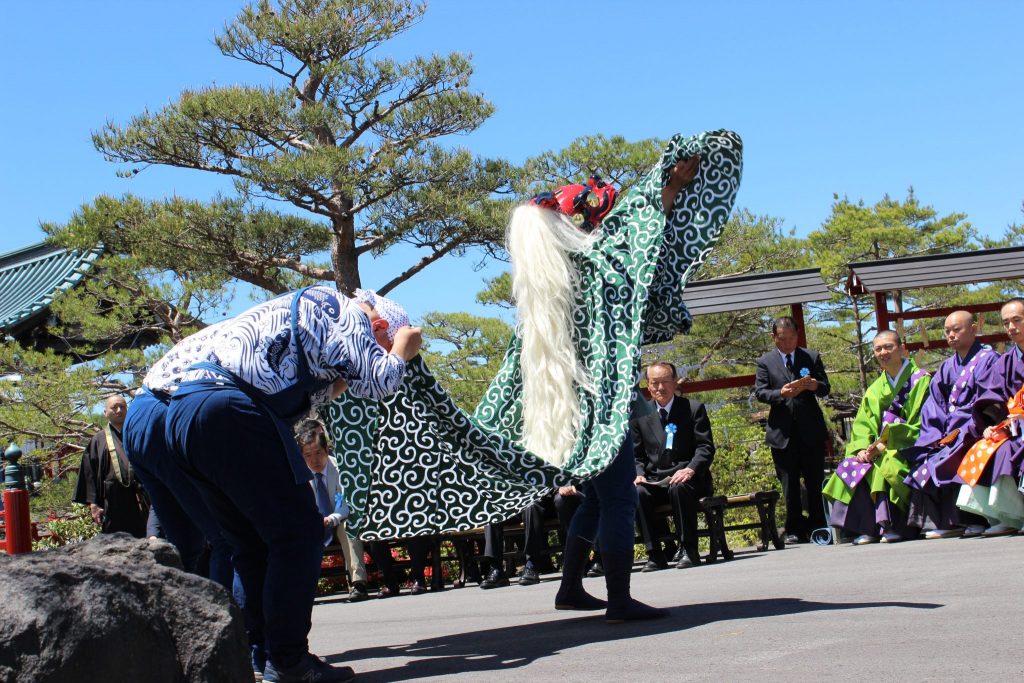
227,399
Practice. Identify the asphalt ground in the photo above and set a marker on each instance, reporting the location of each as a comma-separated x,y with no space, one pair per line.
939,610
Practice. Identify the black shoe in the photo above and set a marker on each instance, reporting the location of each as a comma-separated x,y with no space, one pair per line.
792,539
388,592
680,554
310,668
418,589
529,577
688,560
358,592
595,570
494,579
656,562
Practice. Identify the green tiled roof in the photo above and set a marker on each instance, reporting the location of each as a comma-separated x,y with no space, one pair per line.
32,276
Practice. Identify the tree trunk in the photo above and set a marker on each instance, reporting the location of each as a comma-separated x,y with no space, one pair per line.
860,346
343,251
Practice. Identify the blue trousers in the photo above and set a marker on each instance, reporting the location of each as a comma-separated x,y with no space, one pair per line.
186,520
231,449
608,512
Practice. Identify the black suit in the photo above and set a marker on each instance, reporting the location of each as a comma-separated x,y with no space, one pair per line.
796,433
693,447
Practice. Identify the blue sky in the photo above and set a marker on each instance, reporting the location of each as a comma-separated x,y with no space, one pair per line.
859,99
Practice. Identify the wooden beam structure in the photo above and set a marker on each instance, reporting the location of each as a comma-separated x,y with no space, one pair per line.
888,278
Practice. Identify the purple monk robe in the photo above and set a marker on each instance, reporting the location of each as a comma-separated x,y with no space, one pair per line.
869,516
852,471
949,407
1001,381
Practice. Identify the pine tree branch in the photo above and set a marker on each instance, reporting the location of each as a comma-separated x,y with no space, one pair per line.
370,244
420,265
314,272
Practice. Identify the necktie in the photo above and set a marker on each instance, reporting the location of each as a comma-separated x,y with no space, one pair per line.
789,363
664,416
323,504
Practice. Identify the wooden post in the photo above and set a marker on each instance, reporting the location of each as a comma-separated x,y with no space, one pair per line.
17,522
881,311
897,301
797,311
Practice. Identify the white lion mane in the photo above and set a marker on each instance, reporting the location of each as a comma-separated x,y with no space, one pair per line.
544,282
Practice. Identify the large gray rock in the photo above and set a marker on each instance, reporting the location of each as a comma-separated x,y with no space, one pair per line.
115,609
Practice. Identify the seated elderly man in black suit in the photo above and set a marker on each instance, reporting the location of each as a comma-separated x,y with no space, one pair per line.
674,450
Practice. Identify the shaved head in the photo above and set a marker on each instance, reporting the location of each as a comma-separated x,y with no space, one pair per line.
1012,315
115,409
1013,305
889,334
960,330
963,317
888,349
111,400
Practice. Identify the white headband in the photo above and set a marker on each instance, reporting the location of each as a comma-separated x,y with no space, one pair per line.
387,309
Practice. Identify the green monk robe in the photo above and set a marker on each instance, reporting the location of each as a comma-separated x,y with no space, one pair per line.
416,464
890,470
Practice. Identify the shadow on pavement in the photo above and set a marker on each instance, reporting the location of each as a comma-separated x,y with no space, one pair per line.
507,648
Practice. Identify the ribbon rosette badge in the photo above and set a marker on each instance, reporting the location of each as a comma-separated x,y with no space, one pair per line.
804,372
670,432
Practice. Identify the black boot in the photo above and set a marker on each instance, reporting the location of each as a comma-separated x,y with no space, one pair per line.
621,606
574,563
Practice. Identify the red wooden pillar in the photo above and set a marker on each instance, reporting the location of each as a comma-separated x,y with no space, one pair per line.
797,311
881,311
17,522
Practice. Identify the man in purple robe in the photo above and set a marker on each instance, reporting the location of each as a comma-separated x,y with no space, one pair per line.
992,467
947,431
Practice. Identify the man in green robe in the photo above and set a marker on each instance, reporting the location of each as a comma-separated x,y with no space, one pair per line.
868,493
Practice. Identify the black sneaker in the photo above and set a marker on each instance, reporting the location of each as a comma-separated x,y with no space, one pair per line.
310,668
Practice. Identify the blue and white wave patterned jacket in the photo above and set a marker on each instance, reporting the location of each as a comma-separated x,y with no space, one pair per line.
334,334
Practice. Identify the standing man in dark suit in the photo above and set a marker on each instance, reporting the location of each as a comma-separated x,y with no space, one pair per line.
673,448
790,380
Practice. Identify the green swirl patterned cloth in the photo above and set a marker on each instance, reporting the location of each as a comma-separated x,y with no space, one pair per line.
415,464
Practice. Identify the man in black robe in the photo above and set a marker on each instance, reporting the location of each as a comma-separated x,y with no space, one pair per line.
106,483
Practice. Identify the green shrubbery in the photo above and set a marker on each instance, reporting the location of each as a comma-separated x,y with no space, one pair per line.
60,521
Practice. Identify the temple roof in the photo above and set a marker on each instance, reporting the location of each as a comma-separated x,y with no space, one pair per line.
763,290
887,275
31,277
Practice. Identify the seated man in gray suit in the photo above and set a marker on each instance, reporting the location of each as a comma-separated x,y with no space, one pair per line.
674,450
